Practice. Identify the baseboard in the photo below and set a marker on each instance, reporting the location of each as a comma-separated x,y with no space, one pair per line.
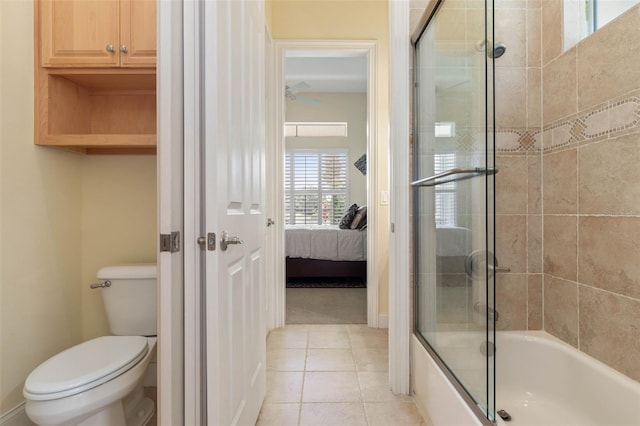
383,320
17,416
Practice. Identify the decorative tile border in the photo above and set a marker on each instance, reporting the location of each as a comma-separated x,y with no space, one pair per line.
617,116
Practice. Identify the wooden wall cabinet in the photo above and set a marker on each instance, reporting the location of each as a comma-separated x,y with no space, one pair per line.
98,33
88,99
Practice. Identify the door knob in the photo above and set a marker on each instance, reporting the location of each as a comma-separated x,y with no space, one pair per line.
110,48
270,222
226,240
123,48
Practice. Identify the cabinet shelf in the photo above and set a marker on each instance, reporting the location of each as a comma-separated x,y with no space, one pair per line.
97,111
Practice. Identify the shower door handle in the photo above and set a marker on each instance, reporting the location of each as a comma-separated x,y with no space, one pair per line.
451,176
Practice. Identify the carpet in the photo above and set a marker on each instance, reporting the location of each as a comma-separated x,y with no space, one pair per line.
326,306
325,283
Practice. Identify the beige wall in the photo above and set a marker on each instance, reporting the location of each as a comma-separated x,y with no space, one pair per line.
41,205
118,224
62,216
336,107
350,20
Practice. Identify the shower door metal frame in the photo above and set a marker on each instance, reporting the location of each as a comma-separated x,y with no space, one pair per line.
428,15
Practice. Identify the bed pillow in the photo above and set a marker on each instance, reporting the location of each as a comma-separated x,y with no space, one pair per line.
360,219
349,214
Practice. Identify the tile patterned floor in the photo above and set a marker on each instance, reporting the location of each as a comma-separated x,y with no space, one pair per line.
331,375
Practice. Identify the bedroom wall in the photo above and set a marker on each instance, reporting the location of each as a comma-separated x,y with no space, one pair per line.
351,20
349,107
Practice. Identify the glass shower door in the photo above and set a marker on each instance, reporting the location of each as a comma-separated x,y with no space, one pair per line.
453,194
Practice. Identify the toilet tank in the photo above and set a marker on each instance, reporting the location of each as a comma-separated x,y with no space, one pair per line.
130,300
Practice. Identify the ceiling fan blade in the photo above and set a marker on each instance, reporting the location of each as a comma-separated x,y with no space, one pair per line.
307,101
299,87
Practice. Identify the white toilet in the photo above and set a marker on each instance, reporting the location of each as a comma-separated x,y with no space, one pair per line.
99,382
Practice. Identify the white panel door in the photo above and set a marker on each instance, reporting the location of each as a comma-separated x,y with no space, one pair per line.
234,99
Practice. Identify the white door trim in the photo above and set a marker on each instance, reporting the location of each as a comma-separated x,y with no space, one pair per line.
170,213
277,317
194,389
400,286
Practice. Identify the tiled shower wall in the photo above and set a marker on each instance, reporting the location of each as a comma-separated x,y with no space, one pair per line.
591,189
568,189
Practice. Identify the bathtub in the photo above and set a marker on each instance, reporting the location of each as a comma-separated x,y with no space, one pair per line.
540,381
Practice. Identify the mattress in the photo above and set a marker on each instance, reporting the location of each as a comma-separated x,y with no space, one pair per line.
325,243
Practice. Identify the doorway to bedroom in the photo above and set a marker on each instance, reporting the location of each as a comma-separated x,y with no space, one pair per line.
326,112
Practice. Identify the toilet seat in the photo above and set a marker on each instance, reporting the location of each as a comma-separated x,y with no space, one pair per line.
84,367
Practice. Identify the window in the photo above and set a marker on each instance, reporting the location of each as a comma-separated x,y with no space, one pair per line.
316,186
584,17
315,129
446,195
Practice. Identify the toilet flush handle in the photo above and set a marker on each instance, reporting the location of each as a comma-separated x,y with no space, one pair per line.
101,285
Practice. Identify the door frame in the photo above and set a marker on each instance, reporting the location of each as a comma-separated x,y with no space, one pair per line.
400,260
275,156
170,189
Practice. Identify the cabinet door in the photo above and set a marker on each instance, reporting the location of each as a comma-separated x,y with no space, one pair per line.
79,33
138,33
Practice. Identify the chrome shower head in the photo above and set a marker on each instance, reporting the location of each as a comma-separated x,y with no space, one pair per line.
497,51
494,51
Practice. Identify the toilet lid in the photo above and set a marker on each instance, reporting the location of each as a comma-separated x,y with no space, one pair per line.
84,366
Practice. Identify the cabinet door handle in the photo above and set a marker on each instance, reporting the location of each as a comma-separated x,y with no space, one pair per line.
124,49
110,48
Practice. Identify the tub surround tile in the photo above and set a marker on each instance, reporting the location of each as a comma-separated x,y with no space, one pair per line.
534,184
609,248
602,77
560,182
534,37
534,244
559,87
511,184
552,30
511,242
624,115
511,301
511,99
561,309
610,329
560,243
534,301
608,177
510,27
534,98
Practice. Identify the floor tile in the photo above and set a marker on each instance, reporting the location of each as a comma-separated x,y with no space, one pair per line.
331,387
392,413
330,360
279,415
371,359
345,414
284,387
325,338
375,388
286,359
290,337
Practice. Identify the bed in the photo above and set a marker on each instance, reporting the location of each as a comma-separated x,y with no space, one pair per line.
321,251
